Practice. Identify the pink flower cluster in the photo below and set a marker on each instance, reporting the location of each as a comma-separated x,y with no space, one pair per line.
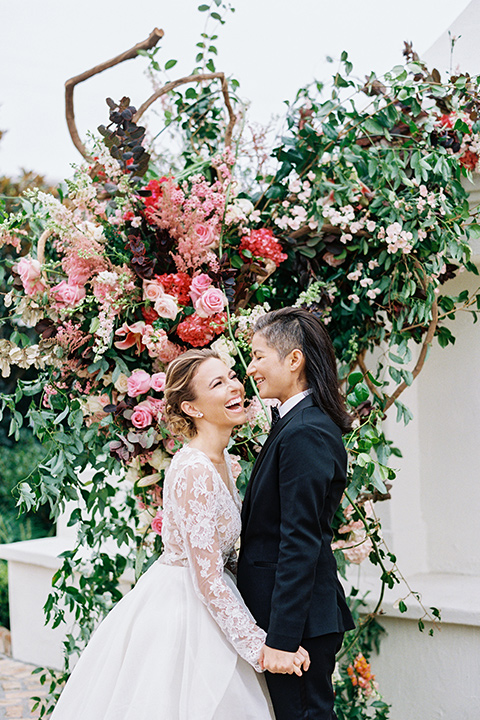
358,546
83,256
145,336
140,382
192,214
397,238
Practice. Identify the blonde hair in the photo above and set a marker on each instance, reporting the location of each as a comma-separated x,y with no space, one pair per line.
179,389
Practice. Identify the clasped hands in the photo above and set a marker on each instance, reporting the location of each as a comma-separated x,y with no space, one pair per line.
280,661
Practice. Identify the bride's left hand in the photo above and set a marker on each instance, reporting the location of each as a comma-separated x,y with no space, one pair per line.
283,662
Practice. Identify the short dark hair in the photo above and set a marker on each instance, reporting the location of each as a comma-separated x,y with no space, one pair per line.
293,328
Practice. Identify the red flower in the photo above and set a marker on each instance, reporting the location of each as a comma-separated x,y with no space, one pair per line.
446,121
262,243
177,284
469,160
198,331
155,187
150,315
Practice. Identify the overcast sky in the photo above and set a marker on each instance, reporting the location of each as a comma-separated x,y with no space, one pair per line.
272,46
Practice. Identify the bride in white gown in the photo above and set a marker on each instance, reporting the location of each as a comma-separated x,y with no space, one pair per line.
182,645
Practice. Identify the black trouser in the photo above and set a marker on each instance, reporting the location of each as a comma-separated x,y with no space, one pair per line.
309,697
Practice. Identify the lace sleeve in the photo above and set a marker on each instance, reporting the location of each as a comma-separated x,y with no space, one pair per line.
194,494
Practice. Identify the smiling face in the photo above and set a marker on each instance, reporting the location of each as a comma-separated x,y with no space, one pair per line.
219,396
275,378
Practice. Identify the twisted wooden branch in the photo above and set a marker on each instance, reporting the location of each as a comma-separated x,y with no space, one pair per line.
390,399
195,78
147,44
422,357
41,245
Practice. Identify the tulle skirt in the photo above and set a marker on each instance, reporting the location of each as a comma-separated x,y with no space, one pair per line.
159,655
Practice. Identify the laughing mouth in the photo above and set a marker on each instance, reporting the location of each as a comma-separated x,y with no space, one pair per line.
235,404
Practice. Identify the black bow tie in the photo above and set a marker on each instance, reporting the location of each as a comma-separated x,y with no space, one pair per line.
275,415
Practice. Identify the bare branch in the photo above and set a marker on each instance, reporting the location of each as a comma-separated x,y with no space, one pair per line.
390,399
42,241
422,357
195,78
147,44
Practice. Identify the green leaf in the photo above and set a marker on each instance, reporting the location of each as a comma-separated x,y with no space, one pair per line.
62,416
473,231
203,8
139,561
354,378
170,64
236,261
377,383
361,392
395,374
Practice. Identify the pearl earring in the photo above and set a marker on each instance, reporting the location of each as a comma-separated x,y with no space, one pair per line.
199,414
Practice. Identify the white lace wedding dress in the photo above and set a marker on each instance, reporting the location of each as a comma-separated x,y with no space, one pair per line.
181,645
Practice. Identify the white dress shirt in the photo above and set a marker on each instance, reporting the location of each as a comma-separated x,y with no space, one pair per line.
292,401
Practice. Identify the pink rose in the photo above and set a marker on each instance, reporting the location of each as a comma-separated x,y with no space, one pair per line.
153,405
205,235
138,383
200,283
67,294
157,381
166,306
211,302
29,271
157,522
152,290
141,416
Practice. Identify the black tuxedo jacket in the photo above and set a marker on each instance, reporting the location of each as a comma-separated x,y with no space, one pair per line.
287,573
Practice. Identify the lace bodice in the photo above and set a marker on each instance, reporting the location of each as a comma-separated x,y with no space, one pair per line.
201,524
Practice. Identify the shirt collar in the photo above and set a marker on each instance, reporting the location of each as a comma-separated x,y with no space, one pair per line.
292,401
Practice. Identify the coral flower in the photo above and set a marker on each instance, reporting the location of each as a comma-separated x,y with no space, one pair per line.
133,336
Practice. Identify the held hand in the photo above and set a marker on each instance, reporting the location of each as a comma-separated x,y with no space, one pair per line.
285,663
302,658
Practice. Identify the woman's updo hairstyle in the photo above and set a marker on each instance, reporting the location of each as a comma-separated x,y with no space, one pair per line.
179,389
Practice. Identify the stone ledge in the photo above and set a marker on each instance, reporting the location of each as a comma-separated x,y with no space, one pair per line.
44,552
456,596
